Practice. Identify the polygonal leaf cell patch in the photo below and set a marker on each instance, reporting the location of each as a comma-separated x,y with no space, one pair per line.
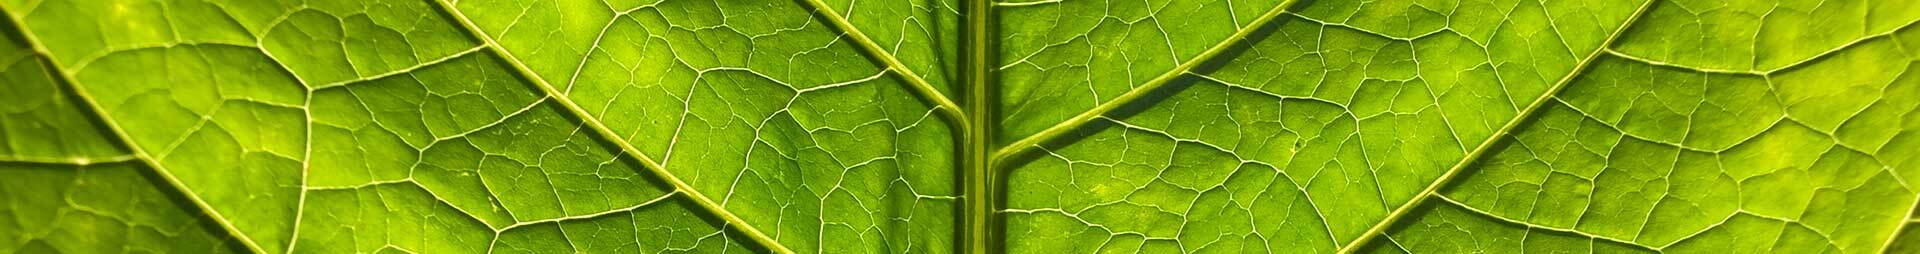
959,126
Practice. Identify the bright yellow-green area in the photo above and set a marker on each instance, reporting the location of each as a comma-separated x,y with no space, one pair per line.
1464,126
509,126
65,188
829,126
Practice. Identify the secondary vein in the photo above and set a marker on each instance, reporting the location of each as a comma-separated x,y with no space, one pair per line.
1913,217
46,59
704,203
1478,151
1083,118
919,85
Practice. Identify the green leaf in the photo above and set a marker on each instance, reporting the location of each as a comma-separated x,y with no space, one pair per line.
1050,126
65,188
1449,127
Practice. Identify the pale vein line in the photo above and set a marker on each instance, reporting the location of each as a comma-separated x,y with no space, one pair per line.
306,123
1912,218
918,85
74,161
407,70
705,203
1530,227
1379,228
73,84
946,106
1018,4
1065,127
1776,70
642,204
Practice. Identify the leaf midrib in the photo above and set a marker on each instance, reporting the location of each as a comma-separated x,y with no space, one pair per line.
914,81
965,118
975,160
979,148
1486,145
680,186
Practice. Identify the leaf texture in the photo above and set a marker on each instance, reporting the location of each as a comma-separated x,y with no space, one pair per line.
838,126
64,188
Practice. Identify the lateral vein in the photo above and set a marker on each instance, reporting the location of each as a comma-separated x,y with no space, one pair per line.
705,203
918,85
46,59
1379,228
1913,217
1083,118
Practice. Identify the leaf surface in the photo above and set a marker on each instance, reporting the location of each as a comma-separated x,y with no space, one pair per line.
1462,126
65,188
837,126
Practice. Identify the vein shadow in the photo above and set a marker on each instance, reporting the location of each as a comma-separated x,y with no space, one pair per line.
1129,109
1153,97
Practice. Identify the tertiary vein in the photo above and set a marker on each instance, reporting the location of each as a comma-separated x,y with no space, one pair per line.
918,85
627,148
1380,227
1143,89
18,25
974,137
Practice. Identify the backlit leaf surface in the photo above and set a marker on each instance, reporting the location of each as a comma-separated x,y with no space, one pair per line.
837,126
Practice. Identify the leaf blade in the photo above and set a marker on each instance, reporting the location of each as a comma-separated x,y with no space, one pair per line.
680,186
1480,150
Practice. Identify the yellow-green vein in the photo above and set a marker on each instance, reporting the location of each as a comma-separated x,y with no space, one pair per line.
1384,223
705,203
46,59
979,162
1143,89
1913,217
918,85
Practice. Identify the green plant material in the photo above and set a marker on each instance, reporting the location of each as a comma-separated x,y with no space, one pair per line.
65,188
943,126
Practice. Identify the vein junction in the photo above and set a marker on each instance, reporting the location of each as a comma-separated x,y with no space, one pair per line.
1318,131
736,126
364,126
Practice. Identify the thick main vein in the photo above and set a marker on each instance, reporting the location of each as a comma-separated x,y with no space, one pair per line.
627,148
919,85
975,151
46,59
1083,118
1380,227
979,163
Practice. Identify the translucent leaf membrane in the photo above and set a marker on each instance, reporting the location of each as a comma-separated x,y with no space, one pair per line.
826,126
1659,148
357,127
65,187
43,121
1326,129
99,208
1059,58
1908,241
1316,131
764,107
